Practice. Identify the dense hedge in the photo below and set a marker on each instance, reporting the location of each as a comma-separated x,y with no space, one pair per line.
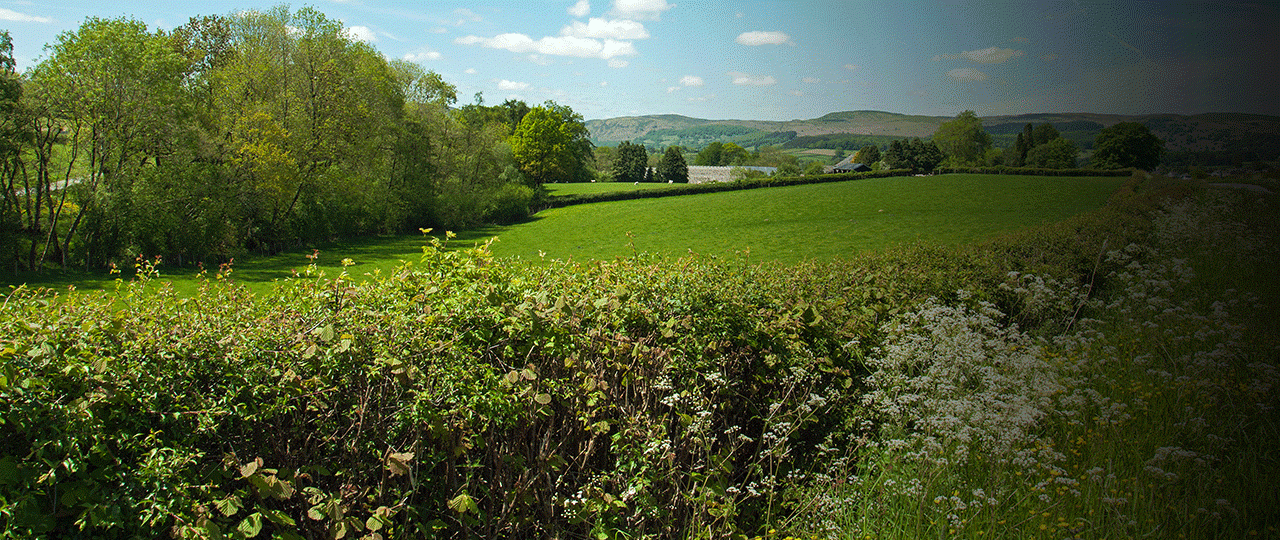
1033,171
463,396
715,187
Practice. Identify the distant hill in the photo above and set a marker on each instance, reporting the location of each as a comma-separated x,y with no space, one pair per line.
1246,136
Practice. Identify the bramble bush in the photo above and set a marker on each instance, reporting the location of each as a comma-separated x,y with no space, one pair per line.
899,393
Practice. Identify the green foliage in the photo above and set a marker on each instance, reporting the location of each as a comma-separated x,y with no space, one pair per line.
963,140
672,168
630,163
550,144
1126,144
869,155
1058,153
913,154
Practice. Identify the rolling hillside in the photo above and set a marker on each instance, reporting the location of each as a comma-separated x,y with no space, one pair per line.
1254,136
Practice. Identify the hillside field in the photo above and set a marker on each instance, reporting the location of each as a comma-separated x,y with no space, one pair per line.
792,224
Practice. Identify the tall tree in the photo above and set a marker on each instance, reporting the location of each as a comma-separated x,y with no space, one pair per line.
869,155
630,163
672,168
1126,144
1058,153
551,145
710,155
963,140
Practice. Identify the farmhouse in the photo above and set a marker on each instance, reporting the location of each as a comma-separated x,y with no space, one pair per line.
847,165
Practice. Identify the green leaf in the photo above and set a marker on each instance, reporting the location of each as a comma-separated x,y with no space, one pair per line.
279,517
542,399
251,525
249,468
316,512
462,504
229,506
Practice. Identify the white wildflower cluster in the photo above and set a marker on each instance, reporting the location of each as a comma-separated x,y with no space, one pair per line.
1044,298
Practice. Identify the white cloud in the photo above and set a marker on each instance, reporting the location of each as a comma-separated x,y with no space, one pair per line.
851,67
691,80
558,45
811,80
11,15
671,89
989,55
640,10
604,83
423,55
764,38
580,9
512,85
967,74
797,93
466,16
617,63
606,29
470,71
745,79
361,33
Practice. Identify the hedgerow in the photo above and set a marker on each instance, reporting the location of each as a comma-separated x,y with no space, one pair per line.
466,396
714,187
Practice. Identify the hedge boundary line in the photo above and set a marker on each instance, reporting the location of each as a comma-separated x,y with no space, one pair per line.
717,187
1033,171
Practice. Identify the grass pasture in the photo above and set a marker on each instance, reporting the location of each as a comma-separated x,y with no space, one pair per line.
792,224
600,187
787,224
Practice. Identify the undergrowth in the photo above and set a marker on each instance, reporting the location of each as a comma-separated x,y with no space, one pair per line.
1098,378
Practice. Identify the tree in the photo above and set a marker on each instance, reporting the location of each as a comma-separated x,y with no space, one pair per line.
1056,154
630,163
1126,144
710,155
548,145
869,155
673,168
963,140
732,154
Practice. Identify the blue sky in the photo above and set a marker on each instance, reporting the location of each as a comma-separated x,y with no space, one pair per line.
781,60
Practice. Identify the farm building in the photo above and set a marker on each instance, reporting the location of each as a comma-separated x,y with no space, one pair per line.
704,174
847,165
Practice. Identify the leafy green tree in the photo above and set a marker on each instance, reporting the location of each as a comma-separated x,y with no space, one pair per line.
1058,153
1126,144
710,155
963,140
551,145
673,168
630,162
869,155
1043,133
732,154
814,168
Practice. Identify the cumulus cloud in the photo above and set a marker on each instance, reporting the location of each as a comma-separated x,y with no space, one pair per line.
967,74
423,56
764,38
470,71
640,10
989,55
811,80
606,29
746,79
361,33
14,16
691,80
618,63
512,85
558,45
580,9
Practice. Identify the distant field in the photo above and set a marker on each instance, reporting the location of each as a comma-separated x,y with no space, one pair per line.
789,224
796,223
599,187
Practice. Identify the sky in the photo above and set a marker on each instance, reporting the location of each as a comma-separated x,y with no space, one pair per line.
789,59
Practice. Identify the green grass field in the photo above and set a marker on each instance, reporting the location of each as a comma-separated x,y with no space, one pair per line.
600,187
820,221
788,224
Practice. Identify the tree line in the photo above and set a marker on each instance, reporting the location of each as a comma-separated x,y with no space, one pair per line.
253,131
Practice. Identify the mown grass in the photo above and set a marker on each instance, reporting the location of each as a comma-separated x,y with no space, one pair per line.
600,187
821,221
787,225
